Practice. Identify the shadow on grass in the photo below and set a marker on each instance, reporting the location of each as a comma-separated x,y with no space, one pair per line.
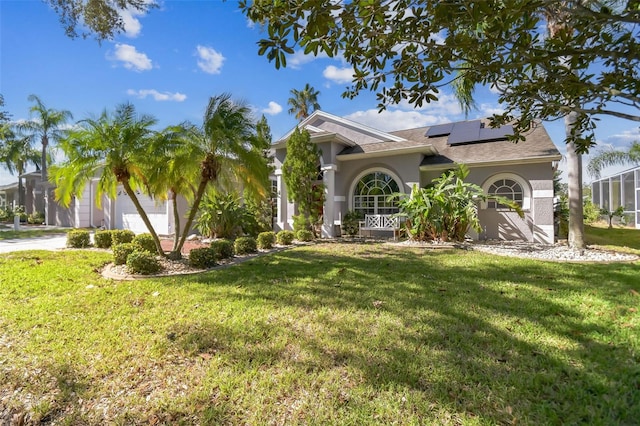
495,339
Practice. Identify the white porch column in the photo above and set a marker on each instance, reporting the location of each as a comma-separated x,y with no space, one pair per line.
281,203
329,178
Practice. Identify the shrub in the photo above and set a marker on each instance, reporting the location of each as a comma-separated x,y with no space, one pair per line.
304,235
202,258
142,262
245,245
78,238
102,239
122,251
266,240
36,218
222,248
285,238
351,222
120,236
146,242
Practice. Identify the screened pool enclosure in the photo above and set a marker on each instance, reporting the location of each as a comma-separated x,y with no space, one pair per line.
622,189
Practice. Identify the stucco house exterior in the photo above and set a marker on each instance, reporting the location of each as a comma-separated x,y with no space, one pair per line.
360,166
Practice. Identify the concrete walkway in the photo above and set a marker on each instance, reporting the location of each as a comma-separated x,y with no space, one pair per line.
45,242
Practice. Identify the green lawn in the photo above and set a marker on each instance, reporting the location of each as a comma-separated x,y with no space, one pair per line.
350,334
622,239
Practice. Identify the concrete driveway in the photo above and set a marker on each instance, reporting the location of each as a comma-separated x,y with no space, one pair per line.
46,242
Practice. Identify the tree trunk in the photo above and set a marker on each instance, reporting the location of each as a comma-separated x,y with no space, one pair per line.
21,194
576,207
143,215
176,221
43,169
192,214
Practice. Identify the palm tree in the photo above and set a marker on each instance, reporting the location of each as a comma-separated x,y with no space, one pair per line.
45,126
116,147
225,152
612,157
16,153
303,102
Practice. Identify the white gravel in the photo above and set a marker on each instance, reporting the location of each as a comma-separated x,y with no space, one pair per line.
556,252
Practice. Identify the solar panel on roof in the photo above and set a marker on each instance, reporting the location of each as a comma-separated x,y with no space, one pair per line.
439,130
474,132
464,132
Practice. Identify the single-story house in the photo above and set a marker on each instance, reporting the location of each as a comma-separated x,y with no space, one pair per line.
622,189
361,166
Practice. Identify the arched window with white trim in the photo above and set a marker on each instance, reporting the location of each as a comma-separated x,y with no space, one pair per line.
509,186
372,191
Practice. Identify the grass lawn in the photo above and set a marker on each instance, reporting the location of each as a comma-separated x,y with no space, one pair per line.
621,239
350,334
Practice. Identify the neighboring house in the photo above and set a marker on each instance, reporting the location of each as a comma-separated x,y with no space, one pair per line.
9,195
361,166
622,189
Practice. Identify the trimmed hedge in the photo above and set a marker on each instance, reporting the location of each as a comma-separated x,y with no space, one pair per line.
304,235
222,248
122,251
78,238
146,242
266,240
142,262
103,239
245,245
285,238
119,236
202,258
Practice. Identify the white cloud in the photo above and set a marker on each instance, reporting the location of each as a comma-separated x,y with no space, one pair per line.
273,109
132,25
210,60
158,96
131,58
487,110
445,105
388,120
338,75
299,58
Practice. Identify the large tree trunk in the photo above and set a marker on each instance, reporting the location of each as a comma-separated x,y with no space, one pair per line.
143,215
192,214
43,165
576,206
176,221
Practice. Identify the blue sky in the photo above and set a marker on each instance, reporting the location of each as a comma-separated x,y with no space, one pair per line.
170,61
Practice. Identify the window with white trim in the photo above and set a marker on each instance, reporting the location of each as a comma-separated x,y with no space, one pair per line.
507,188
371,194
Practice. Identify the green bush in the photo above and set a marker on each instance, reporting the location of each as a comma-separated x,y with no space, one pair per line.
266,240
351,222
142,262
222,248
285,238
103,238
245,245
146,242
78,238
36,218
591,212
202,258
122,251
120,236
304,235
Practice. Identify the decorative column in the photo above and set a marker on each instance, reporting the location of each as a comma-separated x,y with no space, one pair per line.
329,178
281,201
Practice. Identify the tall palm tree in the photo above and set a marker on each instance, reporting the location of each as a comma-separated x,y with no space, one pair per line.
303,102
117,147
16,153
46,125
613,157
225,153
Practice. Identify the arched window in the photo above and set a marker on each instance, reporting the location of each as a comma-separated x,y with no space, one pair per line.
371,194
508,186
